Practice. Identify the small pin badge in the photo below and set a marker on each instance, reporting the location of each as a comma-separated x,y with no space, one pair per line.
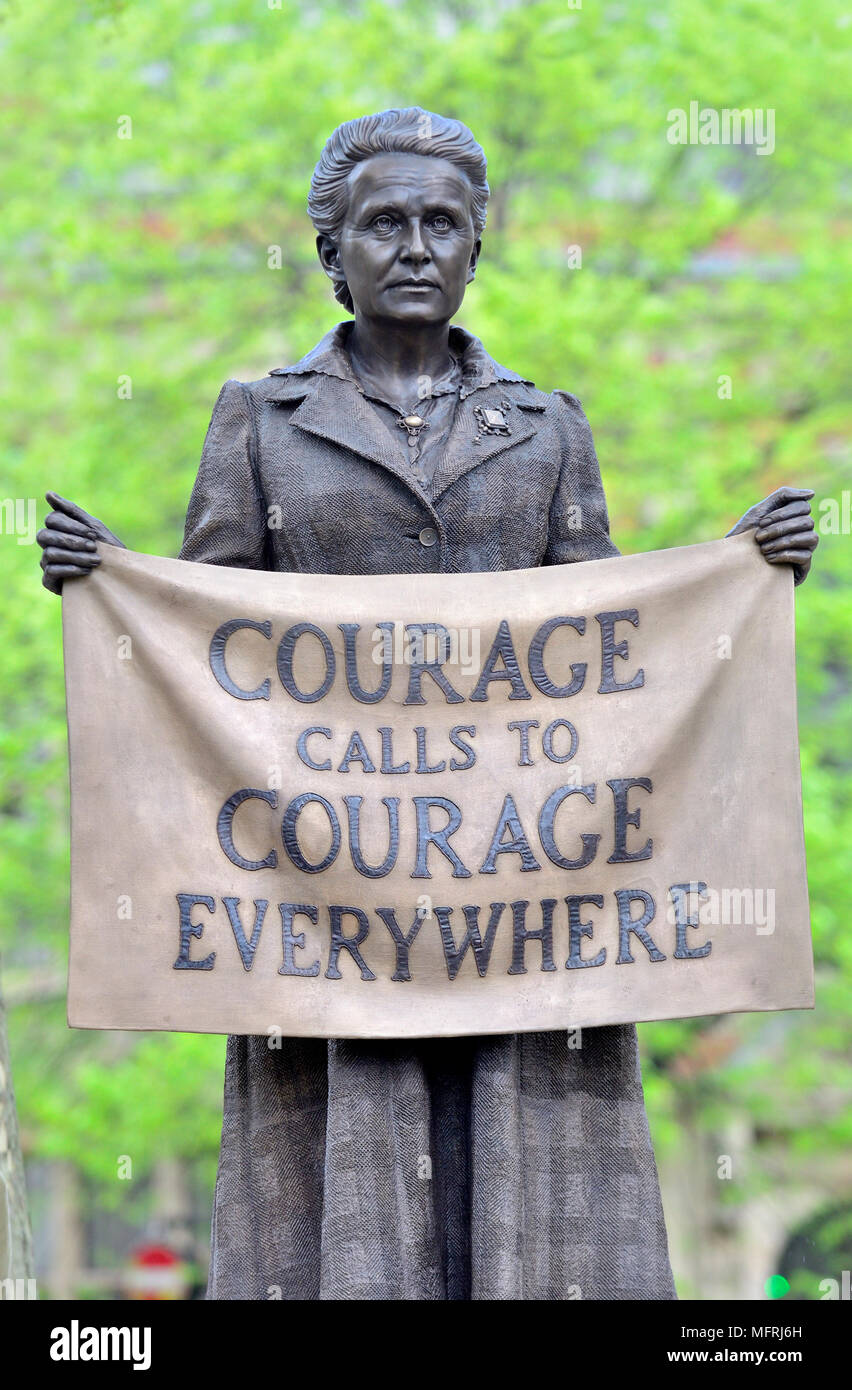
492,419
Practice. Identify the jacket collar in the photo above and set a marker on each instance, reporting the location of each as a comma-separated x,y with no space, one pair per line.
333,407
330,358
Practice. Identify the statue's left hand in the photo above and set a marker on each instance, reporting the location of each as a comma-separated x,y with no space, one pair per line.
783,528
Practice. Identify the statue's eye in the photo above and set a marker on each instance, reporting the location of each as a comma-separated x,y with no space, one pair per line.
441,223
383,223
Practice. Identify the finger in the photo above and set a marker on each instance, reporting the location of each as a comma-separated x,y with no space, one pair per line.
792,509
58,555
789,494
68,539
761,513
793,526
790,557
798,540
62,504
784,533
65,572
58,521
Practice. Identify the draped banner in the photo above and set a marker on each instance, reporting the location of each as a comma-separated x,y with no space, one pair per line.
434,804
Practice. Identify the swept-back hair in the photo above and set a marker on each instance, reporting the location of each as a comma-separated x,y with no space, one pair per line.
401,130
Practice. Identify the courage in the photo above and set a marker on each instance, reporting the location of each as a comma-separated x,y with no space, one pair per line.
501,665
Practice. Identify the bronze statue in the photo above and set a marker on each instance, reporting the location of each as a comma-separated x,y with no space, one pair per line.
501,1167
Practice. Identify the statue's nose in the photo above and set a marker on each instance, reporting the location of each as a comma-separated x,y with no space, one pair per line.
416,250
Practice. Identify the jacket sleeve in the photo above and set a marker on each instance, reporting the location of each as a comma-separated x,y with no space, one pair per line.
226,517
579,520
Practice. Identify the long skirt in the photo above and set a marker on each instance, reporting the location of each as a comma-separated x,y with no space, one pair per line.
509,1167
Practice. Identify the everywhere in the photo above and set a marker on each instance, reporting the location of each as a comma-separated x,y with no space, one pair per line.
631,928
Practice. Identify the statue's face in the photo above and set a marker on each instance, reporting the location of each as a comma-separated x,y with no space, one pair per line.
409,219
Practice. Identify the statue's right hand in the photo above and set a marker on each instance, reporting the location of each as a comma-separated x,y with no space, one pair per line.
68,542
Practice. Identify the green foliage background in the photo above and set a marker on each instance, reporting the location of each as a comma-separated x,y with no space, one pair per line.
149,257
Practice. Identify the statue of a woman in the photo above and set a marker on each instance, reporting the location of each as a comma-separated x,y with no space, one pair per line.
500,1167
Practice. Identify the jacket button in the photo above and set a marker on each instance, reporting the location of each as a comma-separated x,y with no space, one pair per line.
428,536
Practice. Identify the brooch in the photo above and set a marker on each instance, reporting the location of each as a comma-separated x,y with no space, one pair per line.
414,425
491,420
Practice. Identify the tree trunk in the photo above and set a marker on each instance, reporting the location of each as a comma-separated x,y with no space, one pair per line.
16,1251
66,1255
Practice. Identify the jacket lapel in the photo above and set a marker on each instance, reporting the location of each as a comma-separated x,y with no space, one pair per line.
462,453
334,409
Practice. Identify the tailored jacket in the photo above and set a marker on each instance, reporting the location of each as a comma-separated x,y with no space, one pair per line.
305,441
504,1167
